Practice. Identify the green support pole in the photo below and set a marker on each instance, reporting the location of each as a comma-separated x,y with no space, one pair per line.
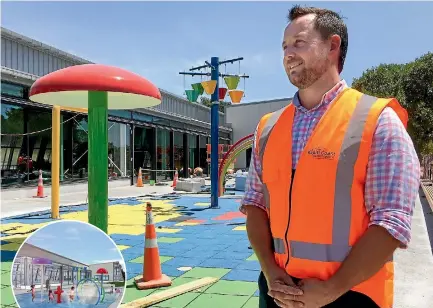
98,162
61,148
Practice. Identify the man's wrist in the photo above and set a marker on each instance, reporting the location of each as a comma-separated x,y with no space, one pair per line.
268,266
336,286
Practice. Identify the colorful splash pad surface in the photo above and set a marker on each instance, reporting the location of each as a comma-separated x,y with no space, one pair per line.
194,241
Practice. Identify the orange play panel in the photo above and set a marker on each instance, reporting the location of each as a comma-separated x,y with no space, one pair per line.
229,216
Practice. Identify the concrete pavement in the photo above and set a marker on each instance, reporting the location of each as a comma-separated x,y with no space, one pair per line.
20,201
414,266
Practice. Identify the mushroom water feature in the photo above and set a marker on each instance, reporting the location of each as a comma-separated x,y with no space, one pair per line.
102,271
98,88
42,262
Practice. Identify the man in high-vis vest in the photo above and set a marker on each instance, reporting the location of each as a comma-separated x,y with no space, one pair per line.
333,180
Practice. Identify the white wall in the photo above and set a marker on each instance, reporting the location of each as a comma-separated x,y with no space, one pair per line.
109,266
245,117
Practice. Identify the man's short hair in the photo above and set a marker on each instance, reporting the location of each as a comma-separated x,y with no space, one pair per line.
327,23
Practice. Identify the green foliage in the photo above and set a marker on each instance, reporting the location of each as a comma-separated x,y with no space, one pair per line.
382,81
206,101
12,120
417,83
428,148
412,85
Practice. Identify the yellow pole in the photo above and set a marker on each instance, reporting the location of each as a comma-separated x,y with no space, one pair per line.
55,163
83,110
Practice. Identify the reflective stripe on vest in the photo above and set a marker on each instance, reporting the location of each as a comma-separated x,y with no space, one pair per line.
338,250
267,129
263,139
279,245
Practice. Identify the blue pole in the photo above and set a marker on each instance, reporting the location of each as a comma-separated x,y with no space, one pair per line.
214,134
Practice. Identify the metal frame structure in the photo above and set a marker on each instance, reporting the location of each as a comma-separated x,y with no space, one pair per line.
215,74
24,273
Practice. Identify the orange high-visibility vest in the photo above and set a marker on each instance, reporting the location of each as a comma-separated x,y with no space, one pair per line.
317,215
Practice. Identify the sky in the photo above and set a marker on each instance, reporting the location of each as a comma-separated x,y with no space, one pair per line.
159,39
77,241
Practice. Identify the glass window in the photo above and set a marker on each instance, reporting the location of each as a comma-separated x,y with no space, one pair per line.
178,151
118,150
79,147
192,145
40,143
225,145
126,114
161,121
13,165
142,150
12,90
163,151
12,119
203,154
142,117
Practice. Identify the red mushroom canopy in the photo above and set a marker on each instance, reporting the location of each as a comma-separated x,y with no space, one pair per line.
101,271
69,87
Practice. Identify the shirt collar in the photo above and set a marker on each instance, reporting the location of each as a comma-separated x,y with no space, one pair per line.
327,98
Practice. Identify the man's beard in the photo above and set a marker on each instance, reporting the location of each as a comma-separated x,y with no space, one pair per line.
309,75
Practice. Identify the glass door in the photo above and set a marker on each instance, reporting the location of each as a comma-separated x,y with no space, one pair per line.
142,151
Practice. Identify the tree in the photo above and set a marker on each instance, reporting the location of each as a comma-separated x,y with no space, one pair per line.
382,81
417,85
206,102
412,85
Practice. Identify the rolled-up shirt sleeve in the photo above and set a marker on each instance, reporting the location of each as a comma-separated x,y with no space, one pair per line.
393,178
253,186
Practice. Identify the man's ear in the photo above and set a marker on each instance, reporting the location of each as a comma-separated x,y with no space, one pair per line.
335,43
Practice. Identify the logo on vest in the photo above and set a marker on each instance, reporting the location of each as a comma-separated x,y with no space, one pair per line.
321,153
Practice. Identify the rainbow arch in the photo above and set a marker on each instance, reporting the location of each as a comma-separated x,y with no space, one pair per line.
234,151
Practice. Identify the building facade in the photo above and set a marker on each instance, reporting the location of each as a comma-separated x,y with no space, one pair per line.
112,271
63,270
160,139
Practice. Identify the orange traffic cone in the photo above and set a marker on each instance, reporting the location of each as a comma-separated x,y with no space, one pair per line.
152,275
40,193
175,179
139,179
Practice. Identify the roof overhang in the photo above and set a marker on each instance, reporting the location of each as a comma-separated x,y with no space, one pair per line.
178,117
14,36
15,76
29,250
269,101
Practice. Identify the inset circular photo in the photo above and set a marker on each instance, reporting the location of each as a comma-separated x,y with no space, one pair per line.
68,264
